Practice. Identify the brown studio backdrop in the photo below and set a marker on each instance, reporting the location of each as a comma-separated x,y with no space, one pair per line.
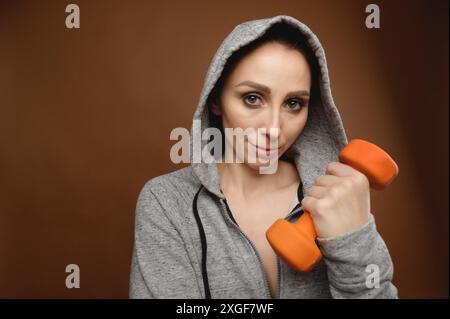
85,117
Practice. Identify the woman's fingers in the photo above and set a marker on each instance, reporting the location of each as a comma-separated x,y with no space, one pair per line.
326,180
309,203
317,191
339,169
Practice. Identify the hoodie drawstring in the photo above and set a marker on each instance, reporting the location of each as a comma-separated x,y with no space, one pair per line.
204,245
203,236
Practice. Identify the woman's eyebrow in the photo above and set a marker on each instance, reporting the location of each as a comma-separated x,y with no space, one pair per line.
266,89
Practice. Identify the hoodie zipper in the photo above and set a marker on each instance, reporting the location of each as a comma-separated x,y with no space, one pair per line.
292,213
224,204
231,219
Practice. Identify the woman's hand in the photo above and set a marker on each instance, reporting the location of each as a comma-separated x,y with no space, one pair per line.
339,202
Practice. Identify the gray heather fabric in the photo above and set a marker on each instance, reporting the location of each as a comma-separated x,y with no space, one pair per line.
166,260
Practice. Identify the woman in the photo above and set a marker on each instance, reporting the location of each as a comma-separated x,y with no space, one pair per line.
200,231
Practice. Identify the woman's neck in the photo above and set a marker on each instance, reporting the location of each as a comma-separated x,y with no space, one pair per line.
249,182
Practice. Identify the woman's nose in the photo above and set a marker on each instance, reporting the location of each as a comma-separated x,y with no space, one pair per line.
273,126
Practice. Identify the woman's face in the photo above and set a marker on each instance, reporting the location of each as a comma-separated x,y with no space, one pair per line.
269,88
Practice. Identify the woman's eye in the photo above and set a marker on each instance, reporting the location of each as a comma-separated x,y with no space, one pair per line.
295,104
252,100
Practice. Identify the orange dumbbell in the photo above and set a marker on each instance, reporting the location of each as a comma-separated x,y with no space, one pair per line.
295,242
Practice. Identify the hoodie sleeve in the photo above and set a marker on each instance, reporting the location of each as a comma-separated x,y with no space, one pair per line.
359,264
160,266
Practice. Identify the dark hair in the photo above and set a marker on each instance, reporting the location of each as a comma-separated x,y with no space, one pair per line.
282,33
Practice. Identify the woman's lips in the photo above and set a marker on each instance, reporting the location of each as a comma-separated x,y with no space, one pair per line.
265,150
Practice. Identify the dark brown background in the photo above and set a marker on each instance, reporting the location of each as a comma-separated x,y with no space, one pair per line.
85,117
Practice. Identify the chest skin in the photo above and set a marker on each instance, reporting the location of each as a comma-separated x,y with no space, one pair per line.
255,215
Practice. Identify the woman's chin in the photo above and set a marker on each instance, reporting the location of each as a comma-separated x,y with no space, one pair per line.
259,164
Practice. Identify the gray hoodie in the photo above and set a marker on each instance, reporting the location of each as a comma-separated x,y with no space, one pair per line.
187,244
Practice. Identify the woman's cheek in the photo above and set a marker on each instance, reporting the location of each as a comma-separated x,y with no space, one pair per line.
293,130
238,116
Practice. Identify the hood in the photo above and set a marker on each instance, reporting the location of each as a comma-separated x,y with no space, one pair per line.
323,135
